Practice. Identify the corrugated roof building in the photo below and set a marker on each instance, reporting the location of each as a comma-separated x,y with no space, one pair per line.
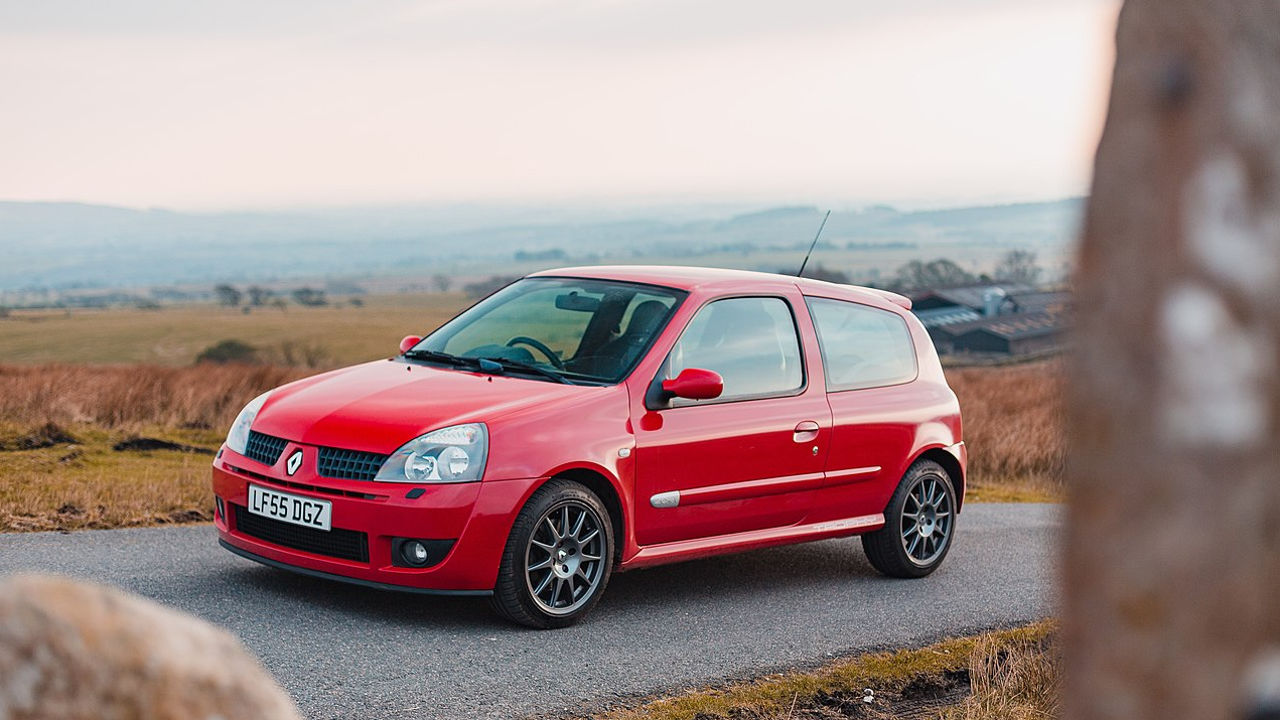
1021,334
994,319
973,297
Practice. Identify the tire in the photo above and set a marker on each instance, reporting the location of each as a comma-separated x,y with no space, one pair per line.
919,525
558,558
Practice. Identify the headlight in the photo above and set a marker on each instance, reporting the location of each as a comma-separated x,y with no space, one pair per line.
238,436
449,455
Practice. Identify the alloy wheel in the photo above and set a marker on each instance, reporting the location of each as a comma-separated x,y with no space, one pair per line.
927,519
564,561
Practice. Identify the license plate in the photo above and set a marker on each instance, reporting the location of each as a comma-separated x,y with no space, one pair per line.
290,508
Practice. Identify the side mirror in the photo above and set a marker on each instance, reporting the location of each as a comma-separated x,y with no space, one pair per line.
408,342
694,384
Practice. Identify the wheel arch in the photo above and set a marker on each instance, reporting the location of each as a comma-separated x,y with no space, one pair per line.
604,489
951,465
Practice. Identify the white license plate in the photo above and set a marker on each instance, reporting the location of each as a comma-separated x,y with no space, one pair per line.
290,508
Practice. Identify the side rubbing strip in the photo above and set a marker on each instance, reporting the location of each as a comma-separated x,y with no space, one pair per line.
840,477
666,499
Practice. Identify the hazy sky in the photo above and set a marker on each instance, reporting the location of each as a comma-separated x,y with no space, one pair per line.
271,103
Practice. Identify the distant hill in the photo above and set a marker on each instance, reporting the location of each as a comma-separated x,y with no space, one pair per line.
72,245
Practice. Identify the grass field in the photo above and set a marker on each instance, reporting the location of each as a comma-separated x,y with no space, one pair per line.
1013,427
127,374
83,482
1002,675
174,335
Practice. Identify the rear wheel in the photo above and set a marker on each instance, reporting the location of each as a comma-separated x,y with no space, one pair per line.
558,558
919,524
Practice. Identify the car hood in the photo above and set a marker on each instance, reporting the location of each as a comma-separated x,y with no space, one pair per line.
379,406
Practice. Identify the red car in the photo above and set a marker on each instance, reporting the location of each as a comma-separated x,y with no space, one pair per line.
587,420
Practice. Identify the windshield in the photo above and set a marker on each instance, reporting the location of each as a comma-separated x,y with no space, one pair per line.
583,330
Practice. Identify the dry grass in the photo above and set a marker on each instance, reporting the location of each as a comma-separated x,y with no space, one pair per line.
82,482
1020,679
58,468
1012,673
201,397
174,335
1012,414
1013,427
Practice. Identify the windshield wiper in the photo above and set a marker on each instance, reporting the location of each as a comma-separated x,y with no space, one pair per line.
480,364
491,365
510,364
444,357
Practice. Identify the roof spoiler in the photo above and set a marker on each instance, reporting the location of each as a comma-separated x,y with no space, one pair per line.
901,301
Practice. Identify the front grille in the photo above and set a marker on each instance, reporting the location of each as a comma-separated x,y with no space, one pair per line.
309,488
338,543
264,448
348,464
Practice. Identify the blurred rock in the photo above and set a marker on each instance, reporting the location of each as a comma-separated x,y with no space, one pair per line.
70,650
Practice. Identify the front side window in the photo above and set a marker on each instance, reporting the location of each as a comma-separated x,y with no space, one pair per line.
862,346
751,342
591,330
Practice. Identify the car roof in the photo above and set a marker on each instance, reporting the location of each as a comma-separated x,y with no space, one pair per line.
717,280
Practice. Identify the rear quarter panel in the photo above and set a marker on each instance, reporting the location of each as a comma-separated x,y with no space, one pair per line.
888,428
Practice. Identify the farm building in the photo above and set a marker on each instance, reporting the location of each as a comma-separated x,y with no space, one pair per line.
994,319
1021,334
975,298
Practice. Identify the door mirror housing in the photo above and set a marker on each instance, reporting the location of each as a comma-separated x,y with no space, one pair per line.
694,384
408,342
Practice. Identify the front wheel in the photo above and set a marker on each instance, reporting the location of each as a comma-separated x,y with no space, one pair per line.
918,524
558,558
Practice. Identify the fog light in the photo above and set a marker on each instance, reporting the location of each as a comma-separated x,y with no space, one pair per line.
414,552
221,511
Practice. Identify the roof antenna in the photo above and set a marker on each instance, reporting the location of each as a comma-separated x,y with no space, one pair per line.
813,244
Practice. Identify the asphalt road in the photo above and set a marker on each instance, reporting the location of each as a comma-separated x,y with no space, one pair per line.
347,652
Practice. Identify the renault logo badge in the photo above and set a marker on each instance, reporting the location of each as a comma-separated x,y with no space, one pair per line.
294,462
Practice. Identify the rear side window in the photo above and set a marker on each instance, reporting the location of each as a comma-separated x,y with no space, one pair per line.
750,341
862,347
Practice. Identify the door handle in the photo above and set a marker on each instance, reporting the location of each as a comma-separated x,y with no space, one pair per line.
805,431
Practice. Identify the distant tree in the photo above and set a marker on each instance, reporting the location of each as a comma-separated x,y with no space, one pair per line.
280,304
480,288
343,287
1018,266
940,273
227,295
441,282
258,295
309,297
4,312
356,302
552,254
228,351
818,271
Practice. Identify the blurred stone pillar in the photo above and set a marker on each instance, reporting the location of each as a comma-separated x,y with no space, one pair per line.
75,651
1173,545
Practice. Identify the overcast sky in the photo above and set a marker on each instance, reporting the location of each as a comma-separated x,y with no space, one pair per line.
278,103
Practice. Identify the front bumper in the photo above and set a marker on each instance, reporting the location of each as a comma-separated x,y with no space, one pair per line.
477,516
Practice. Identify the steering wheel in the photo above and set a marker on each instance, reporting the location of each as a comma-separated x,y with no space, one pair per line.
537,345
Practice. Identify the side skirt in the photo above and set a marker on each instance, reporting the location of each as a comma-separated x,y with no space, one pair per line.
751,540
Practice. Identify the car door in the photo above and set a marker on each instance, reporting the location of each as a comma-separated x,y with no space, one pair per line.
869,364
749,459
